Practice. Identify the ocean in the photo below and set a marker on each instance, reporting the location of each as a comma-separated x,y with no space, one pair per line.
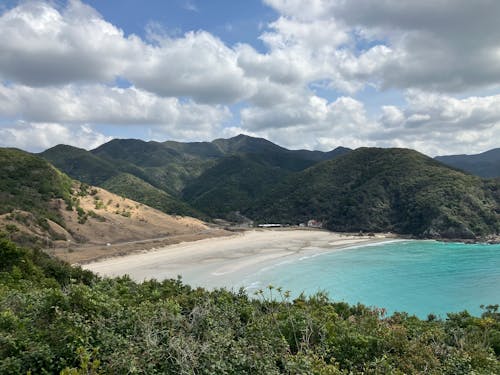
419,277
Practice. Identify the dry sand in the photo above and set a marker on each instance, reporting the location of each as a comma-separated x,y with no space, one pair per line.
228,261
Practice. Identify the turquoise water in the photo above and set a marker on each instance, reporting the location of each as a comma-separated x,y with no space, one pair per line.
419,277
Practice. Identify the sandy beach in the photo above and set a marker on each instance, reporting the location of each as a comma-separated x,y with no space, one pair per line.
228,261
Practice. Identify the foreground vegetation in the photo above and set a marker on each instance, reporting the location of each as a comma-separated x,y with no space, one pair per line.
57,318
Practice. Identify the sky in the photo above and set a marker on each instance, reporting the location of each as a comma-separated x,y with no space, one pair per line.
316,74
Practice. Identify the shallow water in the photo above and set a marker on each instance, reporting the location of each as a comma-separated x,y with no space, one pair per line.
419,277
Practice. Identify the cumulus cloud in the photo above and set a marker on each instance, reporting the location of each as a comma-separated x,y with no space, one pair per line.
42,46
445,45
37,137
58,66
439,124
435,124
71,107
103,104
197,65
311,122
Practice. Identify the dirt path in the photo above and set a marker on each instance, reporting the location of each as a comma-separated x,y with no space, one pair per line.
81,254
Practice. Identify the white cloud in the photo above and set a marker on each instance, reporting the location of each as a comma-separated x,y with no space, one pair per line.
42,46
191,6
445,45
314,9
197,65
435,124
440,124
37,137
71,107
311,122
57,66
105,105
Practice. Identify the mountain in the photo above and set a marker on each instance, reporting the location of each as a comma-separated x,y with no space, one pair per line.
171,166
80,164
233,184
486,164
398,190
276,155
251,167
196,149
246,144
137,152
213,177
159,165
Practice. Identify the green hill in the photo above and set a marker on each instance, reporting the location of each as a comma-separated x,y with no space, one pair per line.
137,152
486,164
80,164
172,166
233,184
246,144
367,189
236,182
196,149
29,183
195,171
397,190
293,160
159,165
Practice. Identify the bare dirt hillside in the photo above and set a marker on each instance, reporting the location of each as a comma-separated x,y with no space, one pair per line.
101,224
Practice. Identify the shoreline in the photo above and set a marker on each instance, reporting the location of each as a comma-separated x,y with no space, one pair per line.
82,254
227,261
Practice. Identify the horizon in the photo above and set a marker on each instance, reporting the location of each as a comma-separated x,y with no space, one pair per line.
239,135
331,74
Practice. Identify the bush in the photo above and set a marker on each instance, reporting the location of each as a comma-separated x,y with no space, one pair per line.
55,318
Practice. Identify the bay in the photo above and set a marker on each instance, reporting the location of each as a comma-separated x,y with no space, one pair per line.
419,277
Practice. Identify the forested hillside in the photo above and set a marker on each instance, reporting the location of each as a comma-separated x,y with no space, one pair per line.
57,318
29,183
397,190
171,175
486,164
363,190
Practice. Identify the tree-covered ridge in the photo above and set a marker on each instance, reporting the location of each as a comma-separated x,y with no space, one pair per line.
57,318
235,183
396,190
80,164
486,164
29,183
185,170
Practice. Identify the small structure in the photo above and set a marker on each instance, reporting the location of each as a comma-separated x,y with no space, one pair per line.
270,225
314,224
